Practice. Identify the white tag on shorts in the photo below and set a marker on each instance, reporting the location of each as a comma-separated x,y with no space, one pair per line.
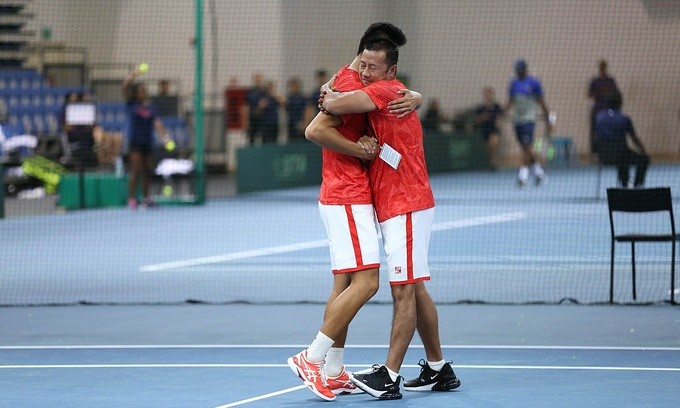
390,156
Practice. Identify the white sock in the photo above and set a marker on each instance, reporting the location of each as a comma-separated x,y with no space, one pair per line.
392,374
524,173
334,361
538,170
436,365
317,351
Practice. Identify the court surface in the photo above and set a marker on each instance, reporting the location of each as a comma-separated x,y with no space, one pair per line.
194,306
234,355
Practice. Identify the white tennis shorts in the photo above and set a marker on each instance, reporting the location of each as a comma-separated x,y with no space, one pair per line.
407,240
352,236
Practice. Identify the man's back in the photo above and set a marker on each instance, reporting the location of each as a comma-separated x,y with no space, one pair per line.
612,126
344,178
406,188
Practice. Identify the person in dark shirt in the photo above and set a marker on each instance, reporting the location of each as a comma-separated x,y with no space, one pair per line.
433,117
269,109
487,116
611,129
143,119
253,107
295,109
600,87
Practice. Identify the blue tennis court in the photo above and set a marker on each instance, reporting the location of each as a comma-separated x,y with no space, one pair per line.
234,355
199,306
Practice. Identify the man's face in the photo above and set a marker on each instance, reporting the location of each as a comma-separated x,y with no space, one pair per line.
603,68
373,67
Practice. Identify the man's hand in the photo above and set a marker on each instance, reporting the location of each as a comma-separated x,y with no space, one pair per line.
370,146
328,86
406,104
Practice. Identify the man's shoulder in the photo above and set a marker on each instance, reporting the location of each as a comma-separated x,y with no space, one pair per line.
347,79
387,85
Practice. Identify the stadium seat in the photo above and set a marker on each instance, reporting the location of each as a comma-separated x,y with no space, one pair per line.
636,201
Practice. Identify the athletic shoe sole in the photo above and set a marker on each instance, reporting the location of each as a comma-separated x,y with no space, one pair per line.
451,385
383,395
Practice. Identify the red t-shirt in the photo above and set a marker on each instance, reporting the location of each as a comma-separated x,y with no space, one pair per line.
345,178
407,188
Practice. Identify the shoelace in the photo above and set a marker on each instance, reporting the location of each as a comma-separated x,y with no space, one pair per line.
422,365
322,371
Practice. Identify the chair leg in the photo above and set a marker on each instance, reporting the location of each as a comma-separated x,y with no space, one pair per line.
673,273
632,250
611,275
599,181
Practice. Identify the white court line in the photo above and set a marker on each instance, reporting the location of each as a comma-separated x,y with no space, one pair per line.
351,346
218,365
261,397
469,222
496,367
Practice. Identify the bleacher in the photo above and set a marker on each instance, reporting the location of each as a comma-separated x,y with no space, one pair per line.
30,106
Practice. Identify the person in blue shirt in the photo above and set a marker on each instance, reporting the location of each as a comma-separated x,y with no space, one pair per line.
296,103
143,120
611,129
525,99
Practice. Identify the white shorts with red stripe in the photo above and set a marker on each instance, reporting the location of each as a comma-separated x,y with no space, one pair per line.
352,236
407,240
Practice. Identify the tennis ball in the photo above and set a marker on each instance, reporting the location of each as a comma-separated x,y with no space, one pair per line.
143,68
167,190
170,145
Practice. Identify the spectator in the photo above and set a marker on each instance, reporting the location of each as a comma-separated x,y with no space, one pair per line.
269,112
600,86
487,116
433,118
78,138
253,111
611,129
295,109
163,87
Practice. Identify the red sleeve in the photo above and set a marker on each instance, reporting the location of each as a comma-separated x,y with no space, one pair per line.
381,93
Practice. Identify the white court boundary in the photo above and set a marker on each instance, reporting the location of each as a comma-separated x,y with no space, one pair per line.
353,346
300,387
464,223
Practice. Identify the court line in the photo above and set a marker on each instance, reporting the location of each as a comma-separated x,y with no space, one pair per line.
468,222
261,397
234,365
495,367
352,346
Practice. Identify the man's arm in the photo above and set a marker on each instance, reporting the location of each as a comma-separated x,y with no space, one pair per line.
635,139
338,103
125,86
546,113
322,131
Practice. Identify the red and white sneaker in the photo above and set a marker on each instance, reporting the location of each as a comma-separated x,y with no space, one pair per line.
342,385
312,375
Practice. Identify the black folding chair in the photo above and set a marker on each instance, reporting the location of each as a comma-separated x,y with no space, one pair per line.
641,201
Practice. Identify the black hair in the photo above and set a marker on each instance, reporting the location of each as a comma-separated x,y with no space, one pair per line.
614,100
382,30
390,49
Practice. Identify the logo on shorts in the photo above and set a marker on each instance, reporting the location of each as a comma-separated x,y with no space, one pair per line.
397,270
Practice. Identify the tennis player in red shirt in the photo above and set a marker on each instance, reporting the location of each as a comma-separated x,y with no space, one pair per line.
404,206
346,207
